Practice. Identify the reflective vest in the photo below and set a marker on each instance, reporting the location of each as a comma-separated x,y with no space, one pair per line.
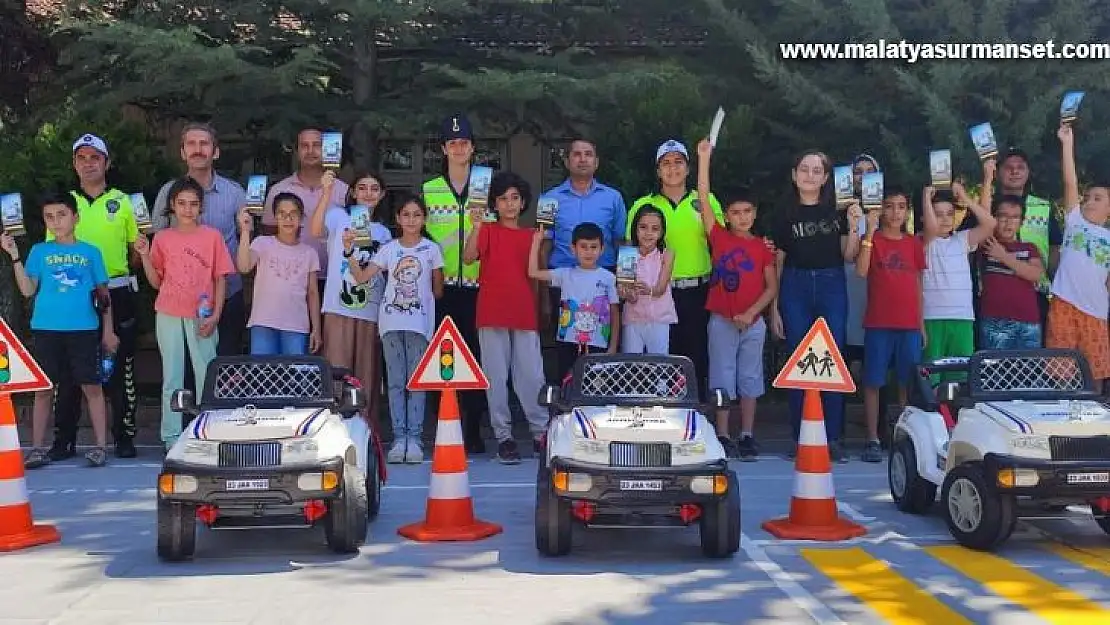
1034,229
685,232
108,224
448,224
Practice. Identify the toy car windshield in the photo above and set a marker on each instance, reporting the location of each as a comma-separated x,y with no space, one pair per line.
633,380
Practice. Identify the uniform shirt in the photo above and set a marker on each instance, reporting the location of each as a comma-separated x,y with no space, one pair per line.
108,224
67,274
685,232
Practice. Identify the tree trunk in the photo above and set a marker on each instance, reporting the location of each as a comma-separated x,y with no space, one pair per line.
364,139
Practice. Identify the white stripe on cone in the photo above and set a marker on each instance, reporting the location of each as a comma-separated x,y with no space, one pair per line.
812,434
813,485
13,492
449,433
9,438
449,486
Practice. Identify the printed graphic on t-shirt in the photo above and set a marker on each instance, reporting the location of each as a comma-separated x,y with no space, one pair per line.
892,260
1087,240
821,227
352,295
406,292
993,266
581,321
730,269
68,271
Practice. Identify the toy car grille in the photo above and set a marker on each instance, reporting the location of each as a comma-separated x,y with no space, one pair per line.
1079,447
634,379
1029,373
640,454
249,455
270,380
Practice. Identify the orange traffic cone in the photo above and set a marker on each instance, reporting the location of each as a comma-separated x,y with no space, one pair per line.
813,514
450,512
17,526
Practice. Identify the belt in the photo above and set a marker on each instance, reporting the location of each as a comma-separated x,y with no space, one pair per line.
689,283
120,282
465,282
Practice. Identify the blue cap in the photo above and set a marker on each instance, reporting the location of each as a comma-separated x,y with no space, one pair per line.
456,126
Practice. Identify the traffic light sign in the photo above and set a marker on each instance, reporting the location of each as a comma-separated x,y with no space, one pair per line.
447,364
19,372
446,360
5,364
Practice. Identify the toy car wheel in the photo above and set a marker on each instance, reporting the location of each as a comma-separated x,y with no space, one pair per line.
553,522
346,522
720,523
978,516
911,492
177,531
373,481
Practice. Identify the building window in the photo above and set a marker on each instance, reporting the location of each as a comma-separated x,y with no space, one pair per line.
397,157
554,170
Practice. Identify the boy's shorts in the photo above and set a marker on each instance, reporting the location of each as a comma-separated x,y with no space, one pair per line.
73,355
1071,328
736,358
884,350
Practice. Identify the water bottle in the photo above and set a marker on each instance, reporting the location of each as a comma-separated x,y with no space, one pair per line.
107,365
204,311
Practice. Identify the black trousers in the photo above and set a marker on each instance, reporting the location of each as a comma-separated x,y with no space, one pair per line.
233,331
690,337
123,396
461,304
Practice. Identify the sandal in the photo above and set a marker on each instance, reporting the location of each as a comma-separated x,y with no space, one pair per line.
97,457
36,458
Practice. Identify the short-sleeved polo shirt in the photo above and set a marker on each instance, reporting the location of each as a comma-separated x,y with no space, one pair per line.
106,222
685,232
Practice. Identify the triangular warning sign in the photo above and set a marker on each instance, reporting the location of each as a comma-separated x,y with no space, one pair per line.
816,365
448,364
18,371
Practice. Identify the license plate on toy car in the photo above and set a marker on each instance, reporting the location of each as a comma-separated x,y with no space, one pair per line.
1088,478
641,484
248,484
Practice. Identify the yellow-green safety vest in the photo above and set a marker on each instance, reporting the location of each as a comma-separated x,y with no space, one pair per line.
448,223
685,232
1034,229
108,224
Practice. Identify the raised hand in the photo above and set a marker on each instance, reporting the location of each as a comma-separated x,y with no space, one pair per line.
7,242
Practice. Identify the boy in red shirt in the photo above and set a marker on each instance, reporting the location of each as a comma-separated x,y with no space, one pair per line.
893,263
506,312
743,283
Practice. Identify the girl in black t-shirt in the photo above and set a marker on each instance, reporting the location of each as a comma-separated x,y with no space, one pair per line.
814,240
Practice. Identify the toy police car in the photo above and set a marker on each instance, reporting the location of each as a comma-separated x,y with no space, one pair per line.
271,445
627,445
1026,436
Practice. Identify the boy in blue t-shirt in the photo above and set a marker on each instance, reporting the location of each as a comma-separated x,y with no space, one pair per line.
69,284
589,315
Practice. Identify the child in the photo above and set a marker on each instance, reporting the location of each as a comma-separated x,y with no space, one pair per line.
187,264
893,263
744,282
649,308
589,313
351,309
285,310
413,268
947,290
1078,311
506,315
69,283
1009,312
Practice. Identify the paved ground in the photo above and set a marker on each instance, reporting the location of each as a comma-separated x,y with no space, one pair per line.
905,571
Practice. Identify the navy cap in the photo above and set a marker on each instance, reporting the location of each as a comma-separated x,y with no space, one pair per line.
1014,151
456,126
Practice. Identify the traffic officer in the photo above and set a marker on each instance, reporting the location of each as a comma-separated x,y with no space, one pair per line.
448,224
107,222
692,262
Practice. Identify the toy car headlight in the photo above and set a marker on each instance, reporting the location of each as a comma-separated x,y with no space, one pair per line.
695,448
1029,443
590,446
300,446
200,448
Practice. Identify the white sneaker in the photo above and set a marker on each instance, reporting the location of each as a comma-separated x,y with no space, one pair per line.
396,454
415,453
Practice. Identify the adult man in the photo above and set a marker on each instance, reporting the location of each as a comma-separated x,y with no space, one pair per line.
307,183
223,198
448,224
106,221
581,199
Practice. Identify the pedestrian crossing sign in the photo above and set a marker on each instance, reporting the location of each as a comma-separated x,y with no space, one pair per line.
448,364
19,372
816,364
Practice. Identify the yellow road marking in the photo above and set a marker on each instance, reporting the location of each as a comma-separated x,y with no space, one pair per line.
1049,601
872,581
1094,558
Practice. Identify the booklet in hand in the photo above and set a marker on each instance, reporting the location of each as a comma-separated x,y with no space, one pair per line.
872,190
1069,106
141,210
360,223
478,191
256,194
844,183
982,136
940,168
11,214
627,257
546,209
333,149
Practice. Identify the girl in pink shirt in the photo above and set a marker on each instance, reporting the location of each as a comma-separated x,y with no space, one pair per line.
648,304
187,264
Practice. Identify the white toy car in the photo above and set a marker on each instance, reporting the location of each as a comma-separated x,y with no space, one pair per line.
1025,437
271,445
627,445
